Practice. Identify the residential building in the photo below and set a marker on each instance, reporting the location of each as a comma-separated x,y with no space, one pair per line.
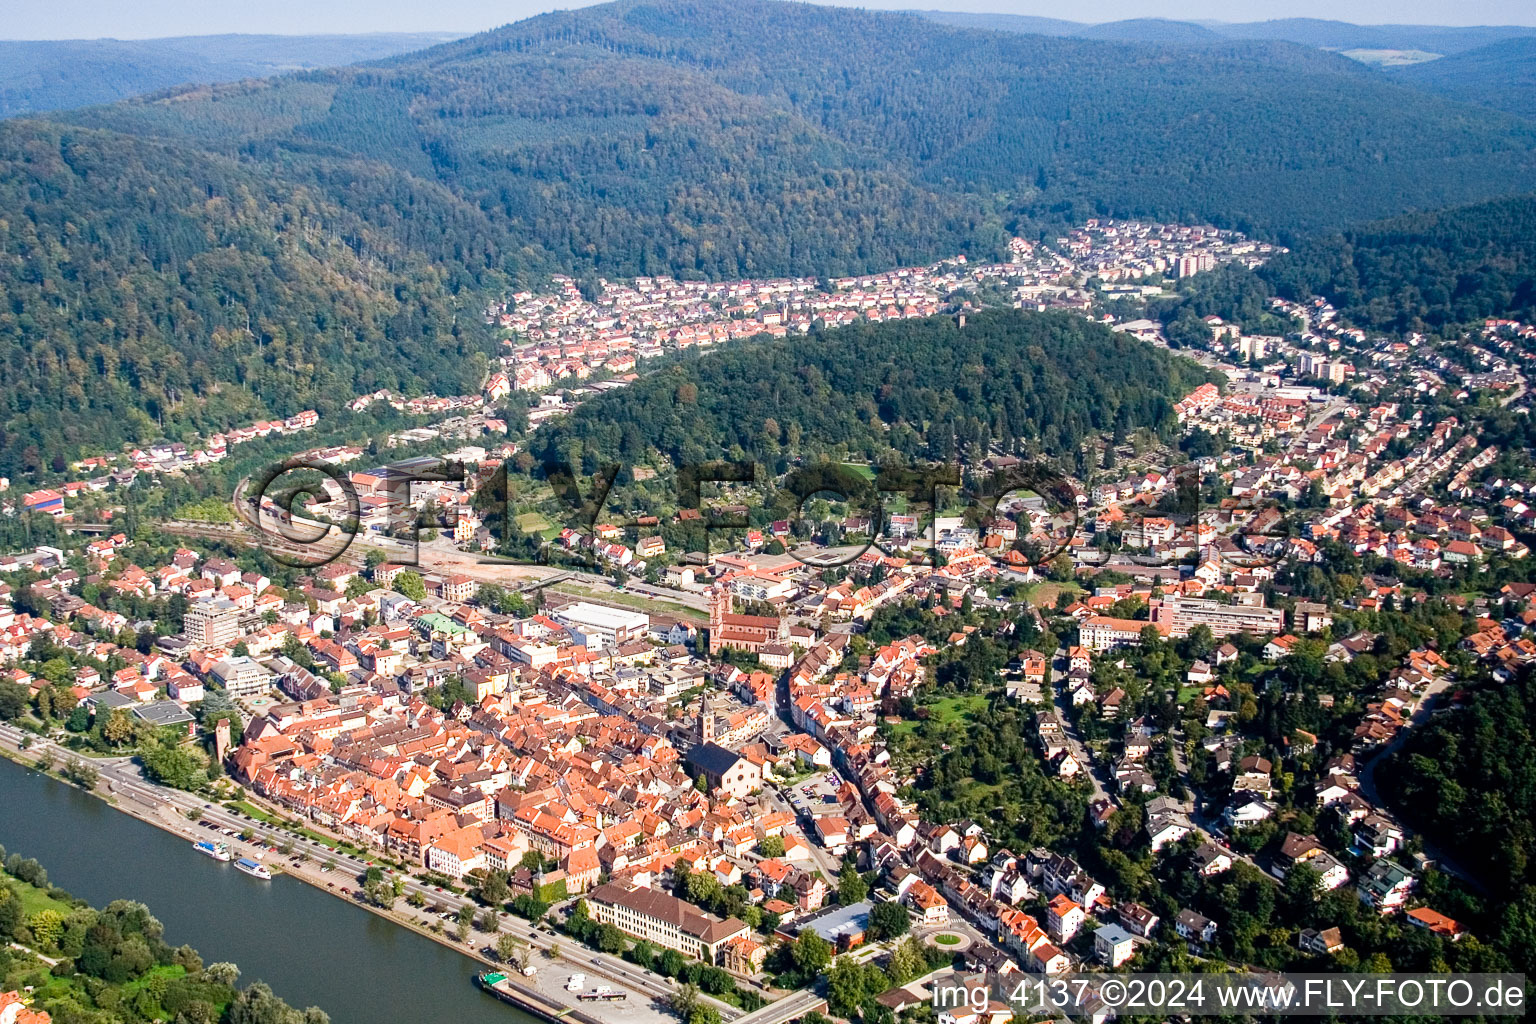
212,623
665,921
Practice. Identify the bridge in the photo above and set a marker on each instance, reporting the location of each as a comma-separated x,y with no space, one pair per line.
791,1007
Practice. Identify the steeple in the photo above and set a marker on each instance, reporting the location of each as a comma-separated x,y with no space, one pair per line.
706,721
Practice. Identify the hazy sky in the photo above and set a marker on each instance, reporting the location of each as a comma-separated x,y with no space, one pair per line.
138,19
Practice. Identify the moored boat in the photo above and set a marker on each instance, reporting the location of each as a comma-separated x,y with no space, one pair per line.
208,848
253,868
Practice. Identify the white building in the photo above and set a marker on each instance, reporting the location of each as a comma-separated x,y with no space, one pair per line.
600,626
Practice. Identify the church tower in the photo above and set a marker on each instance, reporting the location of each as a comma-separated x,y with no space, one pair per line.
719,608
706,722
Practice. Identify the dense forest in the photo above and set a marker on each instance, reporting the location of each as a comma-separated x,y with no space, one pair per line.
1501,75
673,118
924,389
205,256
1422,271
1469,781
1433,272
146,290
57,74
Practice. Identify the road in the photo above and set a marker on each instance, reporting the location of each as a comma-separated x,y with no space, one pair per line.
121,777
830,866
1372,794
796,1004
1093,768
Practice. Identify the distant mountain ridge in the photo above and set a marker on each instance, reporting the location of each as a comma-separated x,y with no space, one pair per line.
40,76
1501,75
1328,35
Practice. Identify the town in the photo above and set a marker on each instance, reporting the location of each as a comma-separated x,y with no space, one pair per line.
782,765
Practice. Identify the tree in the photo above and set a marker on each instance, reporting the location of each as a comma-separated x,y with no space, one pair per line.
845,987
508,946
671,963
1299,891
811,954
118,728
850,886
222,973
771,846
410,584
907,962
47,928
493,888
889,920
81,773
13,701
172,766
610,939
685,999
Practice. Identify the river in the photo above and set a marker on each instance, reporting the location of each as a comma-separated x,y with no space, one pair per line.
312,948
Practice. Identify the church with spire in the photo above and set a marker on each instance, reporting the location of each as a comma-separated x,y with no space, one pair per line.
741,632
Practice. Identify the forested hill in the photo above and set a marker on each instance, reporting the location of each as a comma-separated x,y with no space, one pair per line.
1327,35
147,290
738,136
1501,75
193,259
926,389
1424,271
1469,781
56,74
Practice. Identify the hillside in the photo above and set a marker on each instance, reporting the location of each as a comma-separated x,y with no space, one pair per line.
190,259
149,291
1501,76
1425,270
1468,780
1313,32
656,133
1341,35
925,389
43,75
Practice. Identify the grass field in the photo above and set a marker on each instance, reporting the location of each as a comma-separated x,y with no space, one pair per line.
1043,595
945,712
533,522
34,899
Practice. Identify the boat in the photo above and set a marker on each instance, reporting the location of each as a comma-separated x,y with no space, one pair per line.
253,868
209,848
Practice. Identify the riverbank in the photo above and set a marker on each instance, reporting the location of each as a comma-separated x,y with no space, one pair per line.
311,950
121,789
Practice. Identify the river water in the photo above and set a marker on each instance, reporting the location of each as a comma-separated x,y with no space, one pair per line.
312,948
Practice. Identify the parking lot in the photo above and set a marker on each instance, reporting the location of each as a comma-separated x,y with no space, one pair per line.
814,796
